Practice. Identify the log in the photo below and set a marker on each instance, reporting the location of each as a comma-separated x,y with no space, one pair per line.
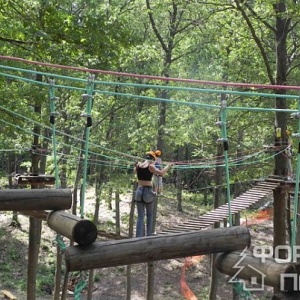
269,272
153,248
286,296
35,199
37,214
83,232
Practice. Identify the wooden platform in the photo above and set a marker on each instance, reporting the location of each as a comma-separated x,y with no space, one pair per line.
246,200
34,180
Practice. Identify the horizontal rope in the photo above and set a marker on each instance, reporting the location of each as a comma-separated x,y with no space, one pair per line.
151,77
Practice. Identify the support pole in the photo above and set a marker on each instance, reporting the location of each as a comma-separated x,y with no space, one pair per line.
224,140
89,98
53,127
154,248
294,240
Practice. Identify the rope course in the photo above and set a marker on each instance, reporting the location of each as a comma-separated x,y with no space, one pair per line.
115,160
89,87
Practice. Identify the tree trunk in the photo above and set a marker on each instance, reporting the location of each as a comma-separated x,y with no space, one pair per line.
214,279
109,200
130,235
35,226
281,139
98,191
118,224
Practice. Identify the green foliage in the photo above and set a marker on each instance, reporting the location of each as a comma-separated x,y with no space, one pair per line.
211,41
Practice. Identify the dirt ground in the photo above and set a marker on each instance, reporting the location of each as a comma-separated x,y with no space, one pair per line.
175,279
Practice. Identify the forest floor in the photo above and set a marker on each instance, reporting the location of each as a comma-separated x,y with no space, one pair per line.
175,279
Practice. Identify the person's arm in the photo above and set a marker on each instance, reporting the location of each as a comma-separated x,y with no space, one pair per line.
160,172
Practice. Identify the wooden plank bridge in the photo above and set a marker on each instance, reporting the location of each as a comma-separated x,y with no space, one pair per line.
261,190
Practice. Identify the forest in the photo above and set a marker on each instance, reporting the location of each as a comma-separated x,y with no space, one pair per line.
88,87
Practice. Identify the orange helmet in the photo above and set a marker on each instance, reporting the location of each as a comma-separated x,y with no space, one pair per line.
150,155
158,153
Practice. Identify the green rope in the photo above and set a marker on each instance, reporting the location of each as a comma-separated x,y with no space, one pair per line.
225,145
296,193
249,94
128,84
241,290
78,289
60,242
89,97
52,121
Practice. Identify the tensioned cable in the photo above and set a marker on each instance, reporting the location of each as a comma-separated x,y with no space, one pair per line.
106,149
151,77
62,134
129,84
75,138
115,163
180,166
177,102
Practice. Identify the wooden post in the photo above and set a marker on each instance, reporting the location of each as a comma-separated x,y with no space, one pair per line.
35,230
83,232
35,199
153,248
268,272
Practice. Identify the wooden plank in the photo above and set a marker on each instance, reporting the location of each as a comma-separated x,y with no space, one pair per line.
247,200
8,295
248,197
188,224
262,191
256,193
196,222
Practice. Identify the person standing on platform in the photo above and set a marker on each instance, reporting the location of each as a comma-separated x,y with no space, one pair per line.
144,195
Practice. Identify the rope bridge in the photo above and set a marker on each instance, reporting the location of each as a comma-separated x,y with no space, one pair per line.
261,190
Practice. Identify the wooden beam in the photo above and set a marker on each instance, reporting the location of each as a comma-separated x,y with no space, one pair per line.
83,232
8,295
35,199
154,248
287,296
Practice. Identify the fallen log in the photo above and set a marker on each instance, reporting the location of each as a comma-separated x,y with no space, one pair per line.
35,199
267,271
83,232
153,248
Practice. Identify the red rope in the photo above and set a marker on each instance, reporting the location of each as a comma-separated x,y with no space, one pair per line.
194,81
